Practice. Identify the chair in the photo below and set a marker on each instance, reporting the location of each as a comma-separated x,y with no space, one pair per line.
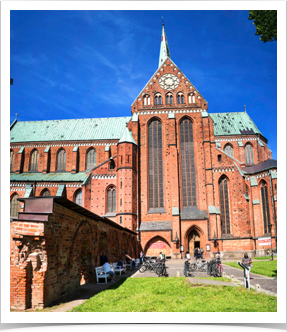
129,265
101,274
117,268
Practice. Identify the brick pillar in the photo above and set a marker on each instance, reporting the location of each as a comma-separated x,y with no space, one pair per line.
46,160
75,163
107,152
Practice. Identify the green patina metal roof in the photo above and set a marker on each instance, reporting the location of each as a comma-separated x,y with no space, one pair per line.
61,177
235,123
127,137
68,130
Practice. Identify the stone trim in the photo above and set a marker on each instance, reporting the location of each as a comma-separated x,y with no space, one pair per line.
104,176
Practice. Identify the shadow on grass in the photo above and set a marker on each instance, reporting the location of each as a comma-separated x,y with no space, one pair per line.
274,273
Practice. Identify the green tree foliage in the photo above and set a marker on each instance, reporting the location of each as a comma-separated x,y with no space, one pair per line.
265,22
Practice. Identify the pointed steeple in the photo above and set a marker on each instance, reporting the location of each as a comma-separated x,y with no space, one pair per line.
164,50
127,137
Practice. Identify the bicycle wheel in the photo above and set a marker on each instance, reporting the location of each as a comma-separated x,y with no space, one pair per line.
158,271
185,272
142,268
193,267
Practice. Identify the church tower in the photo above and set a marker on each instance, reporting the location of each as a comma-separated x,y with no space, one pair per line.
127,181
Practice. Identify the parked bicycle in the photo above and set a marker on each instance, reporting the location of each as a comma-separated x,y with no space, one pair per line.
214,268
189,268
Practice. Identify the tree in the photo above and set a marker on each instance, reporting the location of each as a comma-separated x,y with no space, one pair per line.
265,22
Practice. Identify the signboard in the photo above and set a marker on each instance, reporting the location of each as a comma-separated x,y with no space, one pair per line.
158,245
208,247
264,241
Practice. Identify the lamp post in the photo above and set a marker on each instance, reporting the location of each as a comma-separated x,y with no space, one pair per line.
270,229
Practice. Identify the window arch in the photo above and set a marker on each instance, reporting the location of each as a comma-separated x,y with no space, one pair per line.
46,192
14,206
78,197
61,160
191,98
228,149
155,164
112,164
91,158
158,99
169,99
34,161
249,154
12,155
180,98
187,163
224,206
112,196
146,100
265,206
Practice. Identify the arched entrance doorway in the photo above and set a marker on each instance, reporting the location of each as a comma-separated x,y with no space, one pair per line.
193,241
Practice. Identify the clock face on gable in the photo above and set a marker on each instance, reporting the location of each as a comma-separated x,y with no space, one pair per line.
168,81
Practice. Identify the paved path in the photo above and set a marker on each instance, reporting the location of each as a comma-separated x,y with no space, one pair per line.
266,283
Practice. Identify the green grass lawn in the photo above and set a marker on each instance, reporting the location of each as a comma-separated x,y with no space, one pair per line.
262,258
268,268
212,278
175,295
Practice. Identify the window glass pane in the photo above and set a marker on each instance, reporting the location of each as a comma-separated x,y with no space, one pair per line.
114,201
14,206
78,198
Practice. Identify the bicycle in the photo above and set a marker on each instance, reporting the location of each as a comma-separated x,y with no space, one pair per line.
189,268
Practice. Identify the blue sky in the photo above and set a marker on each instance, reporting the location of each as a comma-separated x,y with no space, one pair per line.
83,64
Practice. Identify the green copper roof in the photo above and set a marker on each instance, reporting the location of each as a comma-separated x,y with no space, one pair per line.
78,177
68,130
236,123
127,137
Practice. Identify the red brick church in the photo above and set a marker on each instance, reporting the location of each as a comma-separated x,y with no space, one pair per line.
173,173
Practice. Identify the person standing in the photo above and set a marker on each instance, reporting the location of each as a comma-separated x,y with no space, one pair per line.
142,255
248,262
201,253
103,258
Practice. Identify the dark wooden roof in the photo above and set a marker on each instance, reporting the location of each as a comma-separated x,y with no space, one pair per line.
265,165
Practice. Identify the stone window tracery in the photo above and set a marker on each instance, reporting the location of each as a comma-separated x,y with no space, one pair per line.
12,155
265,206
187,163
224,206
14,206
78,197
155,164
228,149
91,158
61,160
111,199
34,161
249,154
46,192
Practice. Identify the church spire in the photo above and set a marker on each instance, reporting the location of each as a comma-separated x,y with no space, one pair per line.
164,50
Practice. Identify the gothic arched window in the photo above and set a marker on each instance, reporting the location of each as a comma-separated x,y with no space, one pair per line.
112,199
61,160
178,99
46,192
224,206
265,206
14,206
249,154
155,164
159,100
78,197
182,99
187,163
34,161
112,164
91,158
12,155
169,99
228,149
146,100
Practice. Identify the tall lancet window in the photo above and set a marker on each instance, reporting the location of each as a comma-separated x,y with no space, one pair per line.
91,158
112,197
61,160
265,206
155,165
34,161
224,206
11,160
187,163
228,149
249,154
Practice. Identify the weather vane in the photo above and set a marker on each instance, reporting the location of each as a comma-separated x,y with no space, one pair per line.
16,115
162,20
245,108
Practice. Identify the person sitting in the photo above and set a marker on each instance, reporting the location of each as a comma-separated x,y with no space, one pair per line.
108,269
120,263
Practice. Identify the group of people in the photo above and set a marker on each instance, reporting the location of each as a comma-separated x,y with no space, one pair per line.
198,253
106,266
